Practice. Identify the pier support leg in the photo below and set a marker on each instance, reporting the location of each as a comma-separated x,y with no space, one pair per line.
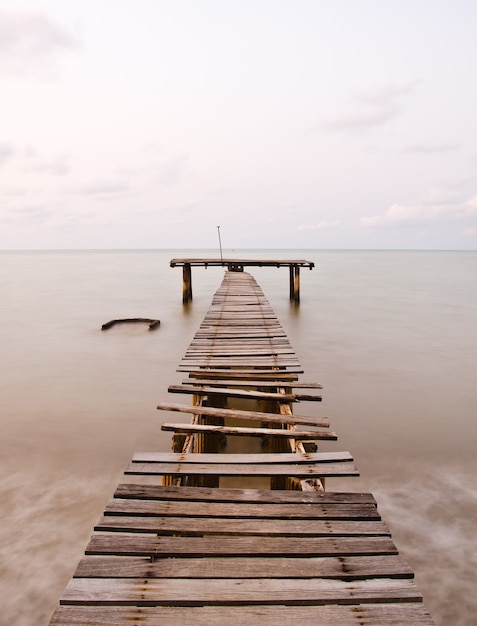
186,283
295,283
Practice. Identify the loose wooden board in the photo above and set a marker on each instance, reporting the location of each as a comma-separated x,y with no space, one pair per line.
260,416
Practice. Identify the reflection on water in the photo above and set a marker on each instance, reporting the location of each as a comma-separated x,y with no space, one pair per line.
391,335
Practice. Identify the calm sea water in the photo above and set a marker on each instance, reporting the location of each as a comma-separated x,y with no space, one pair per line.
391,335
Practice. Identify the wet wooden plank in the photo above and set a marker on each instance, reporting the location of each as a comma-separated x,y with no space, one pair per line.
286,591
249,432
206,494
260,416
138,545
343,568
388,614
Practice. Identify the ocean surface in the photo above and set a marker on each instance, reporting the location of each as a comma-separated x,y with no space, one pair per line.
392,335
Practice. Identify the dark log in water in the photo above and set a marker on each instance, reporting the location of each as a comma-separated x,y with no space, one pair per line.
153,324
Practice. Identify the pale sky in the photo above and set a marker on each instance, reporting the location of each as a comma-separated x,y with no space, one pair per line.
288,123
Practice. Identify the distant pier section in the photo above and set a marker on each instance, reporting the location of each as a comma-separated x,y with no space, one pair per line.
237,265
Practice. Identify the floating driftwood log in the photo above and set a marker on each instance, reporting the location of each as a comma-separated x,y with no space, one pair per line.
153,324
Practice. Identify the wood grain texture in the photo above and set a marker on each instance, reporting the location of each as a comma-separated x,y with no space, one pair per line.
389,614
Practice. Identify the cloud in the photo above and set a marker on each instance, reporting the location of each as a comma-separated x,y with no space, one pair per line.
103,188
27,214
59,166
373,107
423,214
6,151
430,148
29,43
321,225
172,171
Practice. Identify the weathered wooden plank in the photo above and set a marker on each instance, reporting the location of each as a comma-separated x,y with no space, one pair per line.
219,361
343,568
244,262
206,494
239,369
183,592
250,383
249,432
243,393
238,345
258,313
249,352
300,470
229,459
388,614
249,333
277,375
259,416
123,506
200,340
138,545
271,323
239,526
233,393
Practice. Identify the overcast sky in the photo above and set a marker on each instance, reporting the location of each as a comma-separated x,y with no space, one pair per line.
289,123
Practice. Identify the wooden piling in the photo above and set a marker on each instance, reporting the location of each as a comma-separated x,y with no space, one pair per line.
186,283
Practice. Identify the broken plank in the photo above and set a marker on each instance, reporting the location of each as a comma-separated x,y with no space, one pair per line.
249,432
260,416
242,393
233,393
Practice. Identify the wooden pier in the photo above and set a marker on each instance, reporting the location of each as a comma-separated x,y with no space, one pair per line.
237,265
234,526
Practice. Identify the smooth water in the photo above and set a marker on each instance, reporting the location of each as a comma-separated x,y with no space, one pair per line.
391,335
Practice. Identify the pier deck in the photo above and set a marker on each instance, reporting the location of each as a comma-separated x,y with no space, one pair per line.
237,265
180,545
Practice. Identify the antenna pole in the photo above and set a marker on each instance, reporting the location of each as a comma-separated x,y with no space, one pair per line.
220,244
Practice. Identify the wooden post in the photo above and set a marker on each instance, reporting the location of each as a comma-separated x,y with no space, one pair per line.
295,283
296,286
186,283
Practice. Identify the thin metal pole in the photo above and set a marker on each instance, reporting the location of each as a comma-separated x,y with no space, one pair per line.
220,244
